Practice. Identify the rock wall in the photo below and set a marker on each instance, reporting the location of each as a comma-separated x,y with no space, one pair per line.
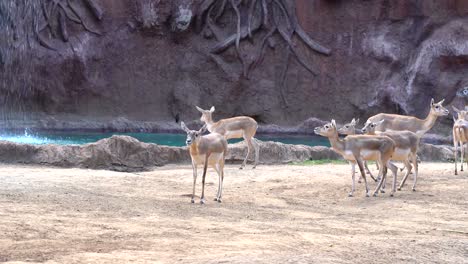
124,153
150,65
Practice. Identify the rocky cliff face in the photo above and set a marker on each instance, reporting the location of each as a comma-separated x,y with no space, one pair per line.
149,63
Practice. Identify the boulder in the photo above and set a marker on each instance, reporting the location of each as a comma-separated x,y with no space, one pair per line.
279,153
429,152
124,153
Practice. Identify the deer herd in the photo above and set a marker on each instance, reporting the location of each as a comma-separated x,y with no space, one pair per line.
385,138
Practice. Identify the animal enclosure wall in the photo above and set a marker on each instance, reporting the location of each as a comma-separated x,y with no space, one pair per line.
152,60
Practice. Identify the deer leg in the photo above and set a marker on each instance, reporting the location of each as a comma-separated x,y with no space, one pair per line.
382,178
194,167
416,165
363,174
202,198
368,171
462,149
257,152
217,168
221,182
394,170
353,171
455,152
384,183
360,178
249,147
408,170
465,145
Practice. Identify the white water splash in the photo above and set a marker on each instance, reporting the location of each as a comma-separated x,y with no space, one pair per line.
25,138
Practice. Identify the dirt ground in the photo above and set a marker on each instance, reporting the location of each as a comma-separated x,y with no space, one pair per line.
274,214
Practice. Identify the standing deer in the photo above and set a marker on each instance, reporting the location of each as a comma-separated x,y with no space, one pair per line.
350,129
235,127
358,148
410,123
460,135
406,148
206,150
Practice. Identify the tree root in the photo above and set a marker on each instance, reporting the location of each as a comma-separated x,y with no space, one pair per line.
82,21
44,42
238,24
265,13
284,73
261,49
57,12
225,44
95,9
270,16
249,22
63,25
220,10
298,57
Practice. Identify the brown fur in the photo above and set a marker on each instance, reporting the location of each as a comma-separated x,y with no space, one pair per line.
211,143
235,127
209,150
357,148
460,137
244,123
404,141
410,123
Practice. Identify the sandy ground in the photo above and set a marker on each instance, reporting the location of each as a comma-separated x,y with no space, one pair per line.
274,214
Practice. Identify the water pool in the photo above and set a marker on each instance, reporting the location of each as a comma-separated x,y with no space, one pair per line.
66,138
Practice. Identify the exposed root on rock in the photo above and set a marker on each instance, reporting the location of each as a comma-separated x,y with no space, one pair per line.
266,18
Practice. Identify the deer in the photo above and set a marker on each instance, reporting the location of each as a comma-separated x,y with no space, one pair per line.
410,123
460,135
357,148
406,148
207,150
350,129
235,127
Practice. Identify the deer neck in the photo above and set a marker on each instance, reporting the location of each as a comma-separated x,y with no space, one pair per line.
336,143
198,147
209,123
429,122
194,149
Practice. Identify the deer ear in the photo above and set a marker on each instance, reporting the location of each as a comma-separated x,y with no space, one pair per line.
212,109
380,122
184,127
432,101
199,109
353,121
456,109
441,102
203,129
357,121
333,123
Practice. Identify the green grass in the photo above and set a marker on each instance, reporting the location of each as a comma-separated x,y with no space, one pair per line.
318,162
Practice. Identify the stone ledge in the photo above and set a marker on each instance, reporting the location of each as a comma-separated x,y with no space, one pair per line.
124,153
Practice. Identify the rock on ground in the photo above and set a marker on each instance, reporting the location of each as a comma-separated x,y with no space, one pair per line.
124,153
